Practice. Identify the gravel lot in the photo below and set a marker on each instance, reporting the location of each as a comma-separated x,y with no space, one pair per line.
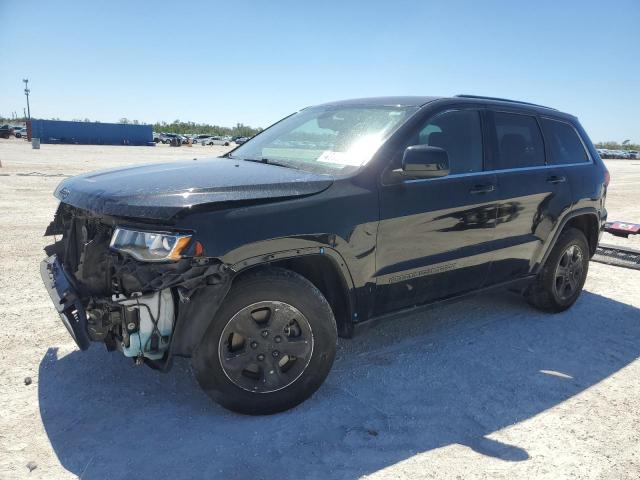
485,388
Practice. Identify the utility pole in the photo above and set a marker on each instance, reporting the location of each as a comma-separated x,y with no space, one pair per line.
26,92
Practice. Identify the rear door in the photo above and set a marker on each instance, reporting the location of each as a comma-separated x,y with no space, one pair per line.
567,150
532,194
434,234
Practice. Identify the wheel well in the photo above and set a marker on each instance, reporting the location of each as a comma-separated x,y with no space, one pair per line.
321,271
588,224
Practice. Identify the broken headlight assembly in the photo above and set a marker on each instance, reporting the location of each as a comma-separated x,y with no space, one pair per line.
149,246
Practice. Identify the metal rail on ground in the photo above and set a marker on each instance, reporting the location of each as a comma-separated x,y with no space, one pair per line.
616,255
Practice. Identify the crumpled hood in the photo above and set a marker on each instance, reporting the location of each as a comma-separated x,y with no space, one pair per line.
159,191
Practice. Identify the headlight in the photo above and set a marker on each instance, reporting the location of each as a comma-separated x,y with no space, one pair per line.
149,246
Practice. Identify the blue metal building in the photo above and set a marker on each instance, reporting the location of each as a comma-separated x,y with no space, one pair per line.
90,133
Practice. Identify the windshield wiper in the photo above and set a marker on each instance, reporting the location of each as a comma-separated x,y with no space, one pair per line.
269,162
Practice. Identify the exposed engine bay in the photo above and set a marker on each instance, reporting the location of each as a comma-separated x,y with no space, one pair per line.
132,306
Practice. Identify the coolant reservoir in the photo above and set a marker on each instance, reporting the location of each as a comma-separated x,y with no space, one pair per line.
152,308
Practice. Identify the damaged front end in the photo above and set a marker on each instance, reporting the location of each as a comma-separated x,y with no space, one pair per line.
149,292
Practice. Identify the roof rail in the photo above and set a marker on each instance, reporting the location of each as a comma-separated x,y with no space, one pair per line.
481,97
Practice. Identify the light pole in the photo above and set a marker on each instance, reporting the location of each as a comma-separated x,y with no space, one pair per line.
26,92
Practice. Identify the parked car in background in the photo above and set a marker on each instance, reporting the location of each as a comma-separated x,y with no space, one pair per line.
215,140
241,140
164,137
169,137
5,131
20,132
199,138
618,154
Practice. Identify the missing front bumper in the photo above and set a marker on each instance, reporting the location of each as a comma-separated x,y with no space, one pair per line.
66,300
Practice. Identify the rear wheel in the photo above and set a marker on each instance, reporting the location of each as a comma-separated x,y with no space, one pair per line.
270,346
560,282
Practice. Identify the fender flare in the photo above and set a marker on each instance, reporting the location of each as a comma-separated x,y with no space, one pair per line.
196,316
336,259
565,219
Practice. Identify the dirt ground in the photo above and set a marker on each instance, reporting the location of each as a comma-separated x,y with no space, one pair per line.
485,388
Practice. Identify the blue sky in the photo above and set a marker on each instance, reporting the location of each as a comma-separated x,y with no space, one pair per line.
221,62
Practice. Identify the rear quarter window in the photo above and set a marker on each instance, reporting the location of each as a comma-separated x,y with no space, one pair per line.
565,145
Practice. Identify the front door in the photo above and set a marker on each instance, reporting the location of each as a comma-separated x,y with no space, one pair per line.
434,237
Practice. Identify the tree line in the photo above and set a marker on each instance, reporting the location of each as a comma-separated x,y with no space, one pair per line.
611,145
181,128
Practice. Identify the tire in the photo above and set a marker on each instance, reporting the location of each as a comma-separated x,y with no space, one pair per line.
557,288
226,144
18,135
248,387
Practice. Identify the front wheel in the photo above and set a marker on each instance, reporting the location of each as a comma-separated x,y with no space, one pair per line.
560,281
270,346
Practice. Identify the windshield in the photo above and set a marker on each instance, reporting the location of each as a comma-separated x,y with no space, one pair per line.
327,139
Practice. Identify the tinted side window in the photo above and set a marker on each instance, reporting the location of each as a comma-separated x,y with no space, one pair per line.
460,134
564,144
519,141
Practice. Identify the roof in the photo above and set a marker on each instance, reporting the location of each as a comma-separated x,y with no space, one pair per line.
407,101
419,101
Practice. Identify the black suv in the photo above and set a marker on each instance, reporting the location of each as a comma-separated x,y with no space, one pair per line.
341,214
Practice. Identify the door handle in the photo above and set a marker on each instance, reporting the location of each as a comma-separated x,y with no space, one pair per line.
482,189
556,179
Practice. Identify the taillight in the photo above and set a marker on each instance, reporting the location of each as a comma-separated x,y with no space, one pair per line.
607,177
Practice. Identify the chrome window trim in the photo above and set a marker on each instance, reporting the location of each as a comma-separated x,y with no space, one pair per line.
504,170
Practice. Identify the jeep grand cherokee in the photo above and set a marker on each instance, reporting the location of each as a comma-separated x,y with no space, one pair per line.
336,216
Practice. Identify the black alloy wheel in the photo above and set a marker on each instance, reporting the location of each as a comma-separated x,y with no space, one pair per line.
569,272
266,346
559,283
270,345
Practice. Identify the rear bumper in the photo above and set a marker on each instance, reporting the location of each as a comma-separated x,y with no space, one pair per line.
66,300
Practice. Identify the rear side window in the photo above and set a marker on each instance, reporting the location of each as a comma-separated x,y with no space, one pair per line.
564,144
519,141
459,133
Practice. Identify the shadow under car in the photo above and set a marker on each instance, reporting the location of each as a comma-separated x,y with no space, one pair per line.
450,375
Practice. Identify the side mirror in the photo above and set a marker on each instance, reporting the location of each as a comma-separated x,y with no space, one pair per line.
425,161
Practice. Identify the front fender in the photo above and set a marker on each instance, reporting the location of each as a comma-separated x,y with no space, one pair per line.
196,315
